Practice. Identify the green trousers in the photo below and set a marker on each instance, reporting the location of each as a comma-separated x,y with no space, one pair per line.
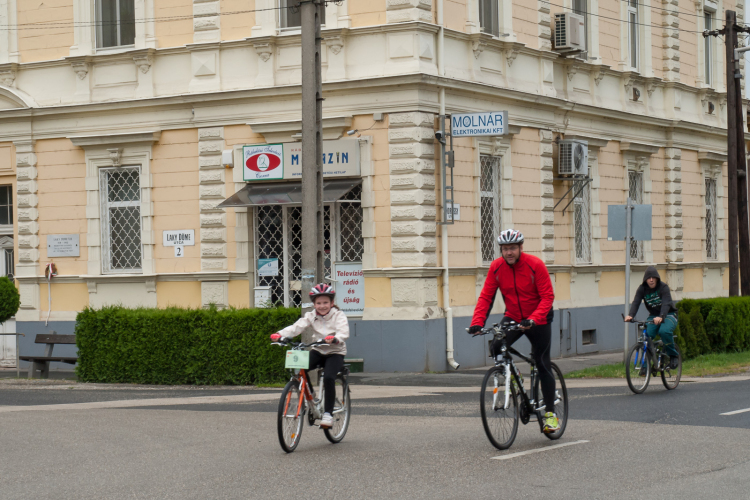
665,331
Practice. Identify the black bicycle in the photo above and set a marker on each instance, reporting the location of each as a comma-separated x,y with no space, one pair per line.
503,399
646,358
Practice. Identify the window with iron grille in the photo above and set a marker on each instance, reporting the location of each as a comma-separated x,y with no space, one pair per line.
291,16
489,187
489,16
635,181
120,195
582,216
115,23
278,235
711,247
6,205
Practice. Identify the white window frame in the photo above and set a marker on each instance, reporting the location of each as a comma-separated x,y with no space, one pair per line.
586,26
634,46
100,27
284,12
707,48
106,205
493,26
8,228
85,30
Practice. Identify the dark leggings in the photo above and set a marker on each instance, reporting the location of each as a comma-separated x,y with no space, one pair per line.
540,337
332,364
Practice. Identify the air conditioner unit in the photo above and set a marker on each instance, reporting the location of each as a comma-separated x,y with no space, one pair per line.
570,32
574,158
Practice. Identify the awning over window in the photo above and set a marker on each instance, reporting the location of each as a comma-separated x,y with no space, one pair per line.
286,193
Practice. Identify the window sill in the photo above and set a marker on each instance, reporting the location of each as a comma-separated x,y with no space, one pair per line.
119,49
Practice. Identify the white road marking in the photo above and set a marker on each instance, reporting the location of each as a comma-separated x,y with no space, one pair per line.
538,450
735,412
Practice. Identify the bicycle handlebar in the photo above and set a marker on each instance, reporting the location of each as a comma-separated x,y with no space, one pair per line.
298,345
497,329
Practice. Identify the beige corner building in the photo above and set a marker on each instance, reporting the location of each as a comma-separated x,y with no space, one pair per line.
119,118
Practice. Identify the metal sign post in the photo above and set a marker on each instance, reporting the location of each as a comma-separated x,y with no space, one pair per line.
446,164
631,223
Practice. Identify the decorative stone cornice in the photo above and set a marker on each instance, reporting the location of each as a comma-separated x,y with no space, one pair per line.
144,59
638,148
282,131
99,141
81,65
8,74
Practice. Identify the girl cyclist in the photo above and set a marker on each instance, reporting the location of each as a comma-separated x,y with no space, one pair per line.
328,323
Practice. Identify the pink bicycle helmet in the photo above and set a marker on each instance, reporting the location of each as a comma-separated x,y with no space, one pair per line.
322,290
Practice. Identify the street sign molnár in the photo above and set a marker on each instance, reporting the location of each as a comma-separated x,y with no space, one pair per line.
479,124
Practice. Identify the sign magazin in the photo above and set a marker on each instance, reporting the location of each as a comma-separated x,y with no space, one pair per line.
350,288
340,159
63,245
479,124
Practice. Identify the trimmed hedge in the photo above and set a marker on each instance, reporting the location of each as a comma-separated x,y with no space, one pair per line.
181,346
10,300
713,325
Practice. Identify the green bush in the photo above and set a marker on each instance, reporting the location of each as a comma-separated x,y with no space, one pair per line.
181,346
10,300
713,325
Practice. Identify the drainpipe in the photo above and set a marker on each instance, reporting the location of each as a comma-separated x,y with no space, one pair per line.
444,228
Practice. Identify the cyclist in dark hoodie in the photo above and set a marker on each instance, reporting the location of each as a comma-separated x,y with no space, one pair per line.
661,309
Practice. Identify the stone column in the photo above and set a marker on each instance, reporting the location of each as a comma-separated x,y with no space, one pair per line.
548,196
671,41
673,204
413,212
28,229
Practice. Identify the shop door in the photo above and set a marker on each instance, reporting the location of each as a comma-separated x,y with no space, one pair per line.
278,235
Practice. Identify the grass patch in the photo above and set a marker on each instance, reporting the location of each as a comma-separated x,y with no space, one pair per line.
273,385
702,366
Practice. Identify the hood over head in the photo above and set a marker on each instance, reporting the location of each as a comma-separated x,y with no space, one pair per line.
651,272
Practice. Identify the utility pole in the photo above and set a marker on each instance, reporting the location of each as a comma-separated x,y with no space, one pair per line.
730,37
742,208
312,150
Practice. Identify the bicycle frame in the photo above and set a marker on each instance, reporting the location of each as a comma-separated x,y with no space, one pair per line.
506,360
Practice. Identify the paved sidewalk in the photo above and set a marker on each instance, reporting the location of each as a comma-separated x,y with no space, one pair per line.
460,378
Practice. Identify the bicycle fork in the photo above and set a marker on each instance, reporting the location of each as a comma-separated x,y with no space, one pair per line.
506,403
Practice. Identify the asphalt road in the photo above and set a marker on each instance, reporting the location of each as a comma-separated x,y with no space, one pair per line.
67,440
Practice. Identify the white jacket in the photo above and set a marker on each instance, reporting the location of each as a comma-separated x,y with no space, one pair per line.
333,323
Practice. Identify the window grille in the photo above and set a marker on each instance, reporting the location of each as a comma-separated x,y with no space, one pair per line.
291,16
269,244
636,195
115,23
120,193
9,263
711,247
6,205
349,217
489,187
489,17
582,214
633,33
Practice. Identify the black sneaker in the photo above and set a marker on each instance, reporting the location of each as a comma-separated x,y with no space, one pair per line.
674,362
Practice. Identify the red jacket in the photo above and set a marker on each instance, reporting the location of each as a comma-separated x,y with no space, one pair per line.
526,288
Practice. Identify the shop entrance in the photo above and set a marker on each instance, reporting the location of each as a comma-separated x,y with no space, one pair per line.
278,235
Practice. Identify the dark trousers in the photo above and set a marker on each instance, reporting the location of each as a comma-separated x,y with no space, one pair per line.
332,364
540,337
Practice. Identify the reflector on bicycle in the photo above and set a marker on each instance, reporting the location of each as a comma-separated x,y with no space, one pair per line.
299,360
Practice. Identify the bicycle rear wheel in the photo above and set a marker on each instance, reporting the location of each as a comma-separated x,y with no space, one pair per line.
638,368
500,422
289,421
561,401
342,410
671,378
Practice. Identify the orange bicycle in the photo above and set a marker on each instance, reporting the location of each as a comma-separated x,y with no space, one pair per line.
298,399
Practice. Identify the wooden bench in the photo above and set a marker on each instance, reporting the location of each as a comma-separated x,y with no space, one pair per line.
41,363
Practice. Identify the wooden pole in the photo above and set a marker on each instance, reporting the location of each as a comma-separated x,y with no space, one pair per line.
730,38
742,208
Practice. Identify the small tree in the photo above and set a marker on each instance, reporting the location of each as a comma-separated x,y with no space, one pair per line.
10,299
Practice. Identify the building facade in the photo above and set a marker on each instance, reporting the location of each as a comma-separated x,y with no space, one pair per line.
117,120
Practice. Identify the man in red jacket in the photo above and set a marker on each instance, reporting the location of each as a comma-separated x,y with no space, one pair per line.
527,292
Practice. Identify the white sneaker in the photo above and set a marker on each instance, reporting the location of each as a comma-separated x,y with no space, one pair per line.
326,421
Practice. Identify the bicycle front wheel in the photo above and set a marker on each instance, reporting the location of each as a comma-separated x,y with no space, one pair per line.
638,368
669,377
499,409
291,416
342,410
561,401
